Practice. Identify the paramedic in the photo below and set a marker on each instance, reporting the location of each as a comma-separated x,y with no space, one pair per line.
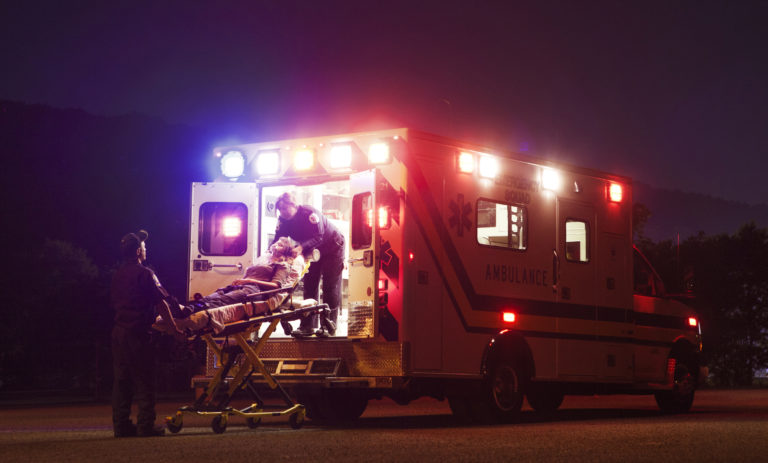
137,296
312,230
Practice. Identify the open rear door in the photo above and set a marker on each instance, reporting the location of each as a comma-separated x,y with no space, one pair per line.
363,257
222,231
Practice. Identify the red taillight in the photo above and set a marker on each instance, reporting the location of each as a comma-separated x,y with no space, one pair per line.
508,317
615,192
411,256
692,321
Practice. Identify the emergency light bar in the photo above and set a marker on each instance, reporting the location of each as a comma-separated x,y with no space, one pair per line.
378,153
341,156
550,179
233,164
303,160
465,162
488,167
615,192
268,163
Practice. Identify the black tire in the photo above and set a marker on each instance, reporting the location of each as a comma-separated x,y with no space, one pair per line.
310,400
544,399
680,398
502,394
219,424
253,422
173,427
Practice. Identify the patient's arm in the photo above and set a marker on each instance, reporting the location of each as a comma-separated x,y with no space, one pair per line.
262,284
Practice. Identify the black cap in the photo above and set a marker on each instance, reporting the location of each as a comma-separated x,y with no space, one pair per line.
131,242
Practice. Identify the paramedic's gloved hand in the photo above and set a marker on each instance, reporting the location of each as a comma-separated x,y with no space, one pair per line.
299,249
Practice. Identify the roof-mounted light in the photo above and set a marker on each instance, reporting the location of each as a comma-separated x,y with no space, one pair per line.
341,156
615,192
465,162
378,153
488,167
267,163
233,164
303,159
551,179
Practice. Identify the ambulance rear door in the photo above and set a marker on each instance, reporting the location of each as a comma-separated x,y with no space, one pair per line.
224,220
363,257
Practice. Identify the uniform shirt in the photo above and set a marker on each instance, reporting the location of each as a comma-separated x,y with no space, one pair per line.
311,230
135,293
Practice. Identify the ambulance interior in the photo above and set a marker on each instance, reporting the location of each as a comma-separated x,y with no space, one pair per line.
334,201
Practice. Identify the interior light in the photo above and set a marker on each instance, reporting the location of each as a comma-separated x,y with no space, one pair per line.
231,227
268,163
466,162
233,164
615,192
341,156
508,317
550,179
303,159
488,166
384,221
378,153
692,321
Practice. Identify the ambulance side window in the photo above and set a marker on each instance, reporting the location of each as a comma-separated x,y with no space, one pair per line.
223,229
501,225
362,220
576,240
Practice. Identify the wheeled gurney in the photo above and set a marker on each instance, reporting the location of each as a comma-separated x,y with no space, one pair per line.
240,359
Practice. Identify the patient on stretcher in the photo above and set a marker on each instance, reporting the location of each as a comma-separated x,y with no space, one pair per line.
279,267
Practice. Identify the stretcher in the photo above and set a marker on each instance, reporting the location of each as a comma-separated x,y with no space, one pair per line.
239,358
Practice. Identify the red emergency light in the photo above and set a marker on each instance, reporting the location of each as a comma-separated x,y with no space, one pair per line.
508,317
411,256
615,192
692,321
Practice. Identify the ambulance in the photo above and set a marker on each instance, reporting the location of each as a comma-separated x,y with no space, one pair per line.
475,275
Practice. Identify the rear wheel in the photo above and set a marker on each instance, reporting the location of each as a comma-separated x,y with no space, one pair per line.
680,398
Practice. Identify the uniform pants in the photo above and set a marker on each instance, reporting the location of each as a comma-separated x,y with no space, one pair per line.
329,267
134,378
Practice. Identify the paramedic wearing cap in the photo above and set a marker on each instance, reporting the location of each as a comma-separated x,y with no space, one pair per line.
137,297
312,230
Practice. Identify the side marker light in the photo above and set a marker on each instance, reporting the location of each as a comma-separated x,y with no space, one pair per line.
508,317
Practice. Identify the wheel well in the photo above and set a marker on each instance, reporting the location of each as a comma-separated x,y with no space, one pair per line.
685,352
508,345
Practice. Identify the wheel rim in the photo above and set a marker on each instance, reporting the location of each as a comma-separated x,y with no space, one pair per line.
506,388
684,383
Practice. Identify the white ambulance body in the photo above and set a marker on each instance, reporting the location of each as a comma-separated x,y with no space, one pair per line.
472,274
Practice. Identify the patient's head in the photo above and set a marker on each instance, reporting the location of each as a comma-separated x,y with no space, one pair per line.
284,248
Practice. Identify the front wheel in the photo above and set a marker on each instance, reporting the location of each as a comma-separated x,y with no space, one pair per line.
680,398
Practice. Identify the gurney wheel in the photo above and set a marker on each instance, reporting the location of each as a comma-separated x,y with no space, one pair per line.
253,422
174,423
219,424
296,420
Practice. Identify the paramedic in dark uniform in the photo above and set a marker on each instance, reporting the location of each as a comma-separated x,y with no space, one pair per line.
312,230
137,297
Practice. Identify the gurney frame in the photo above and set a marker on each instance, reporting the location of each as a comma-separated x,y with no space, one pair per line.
242,360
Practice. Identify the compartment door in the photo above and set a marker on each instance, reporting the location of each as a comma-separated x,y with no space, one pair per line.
363,257
222,229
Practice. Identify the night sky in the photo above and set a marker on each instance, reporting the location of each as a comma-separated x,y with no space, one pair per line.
671,93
